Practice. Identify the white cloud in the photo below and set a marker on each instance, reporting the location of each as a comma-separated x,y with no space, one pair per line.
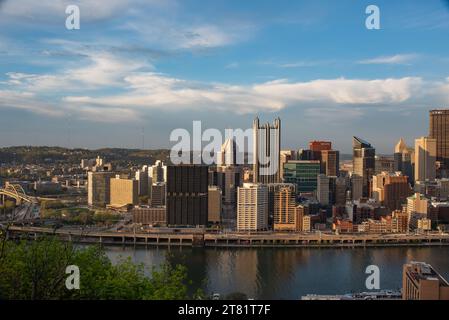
394,59
54,10
113,89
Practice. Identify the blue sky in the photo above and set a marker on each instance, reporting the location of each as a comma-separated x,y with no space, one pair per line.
152,66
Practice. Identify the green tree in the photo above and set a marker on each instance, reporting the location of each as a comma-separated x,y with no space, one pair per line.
36,270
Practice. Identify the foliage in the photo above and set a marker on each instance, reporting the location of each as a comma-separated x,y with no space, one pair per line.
36,270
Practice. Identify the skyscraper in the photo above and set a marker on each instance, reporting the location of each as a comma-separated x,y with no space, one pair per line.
266,151
323,189
303,173
227,156
391,190
187,195
404,159
425,155
158,172
330,162
439,130
285,209
98,188
252,207
363,162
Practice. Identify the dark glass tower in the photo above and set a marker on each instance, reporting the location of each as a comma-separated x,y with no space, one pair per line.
363,159
439,130
187,195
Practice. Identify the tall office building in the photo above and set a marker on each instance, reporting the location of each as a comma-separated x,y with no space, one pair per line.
356,182
187,195
214,204
323,189
363,159
158,172
439,130
420,281
303,173
124,192
252,207
158,194
98,188
144,181
286,156
404,159
227,156
266,152
341,187
391,190
425,156
330,162
285,209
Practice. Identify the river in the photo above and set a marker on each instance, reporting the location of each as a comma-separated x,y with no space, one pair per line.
287,273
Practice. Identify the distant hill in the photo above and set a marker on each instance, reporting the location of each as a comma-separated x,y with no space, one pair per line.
40,155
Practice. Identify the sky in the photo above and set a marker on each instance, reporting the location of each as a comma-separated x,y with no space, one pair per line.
138,69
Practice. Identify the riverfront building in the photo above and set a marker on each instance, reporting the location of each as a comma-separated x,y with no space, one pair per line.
252,207
187,195
421,282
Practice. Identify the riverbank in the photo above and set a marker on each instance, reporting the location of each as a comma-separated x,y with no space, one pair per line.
229,240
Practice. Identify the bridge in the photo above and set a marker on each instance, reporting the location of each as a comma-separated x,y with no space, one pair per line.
16,192
232,239
27,207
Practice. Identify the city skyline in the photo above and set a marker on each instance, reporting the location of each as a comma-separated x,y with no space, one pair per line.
117,82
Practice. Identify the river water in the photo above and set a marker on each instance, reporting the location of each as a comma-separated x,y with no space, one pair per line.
287,273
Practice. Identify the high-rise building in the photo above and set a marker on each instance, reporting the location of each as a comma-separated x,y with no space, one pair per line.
252,207
303,173
266,152
356,182
272,189
300,212
320,145
420,281
228,179
316,147
404,158
341,186
143,179
285,209
286,155
383,164
391,190
417,203
363,162
439,130
323,189
158,172
187,195
98,188
330,162
425,156
227,156
158,193
124,192
214,205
